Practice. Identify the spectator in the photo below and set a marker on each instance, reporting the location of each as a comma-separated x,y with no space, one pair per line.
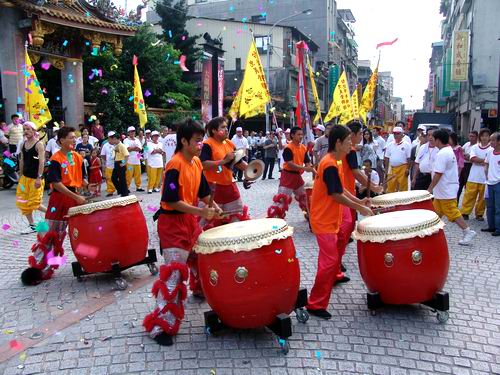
15,133
369,148
241,143
493,181
270,154
98,131
52,145
464,176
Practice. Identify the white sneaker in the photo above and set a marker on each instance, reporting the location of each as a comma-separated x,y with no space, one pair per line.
469,235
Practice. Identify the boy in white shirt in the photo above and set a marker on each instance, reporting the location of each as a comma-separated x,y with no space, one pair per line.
170,143
476,183
155,163
108,163
134,147
444,185
374,179
493,183
397,156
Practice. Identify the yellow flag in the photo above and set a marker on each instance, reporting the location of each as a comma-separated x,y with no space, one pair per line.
355,104
235,107
139,105
315,93
254,90
36,104
369,93
341,105
256,111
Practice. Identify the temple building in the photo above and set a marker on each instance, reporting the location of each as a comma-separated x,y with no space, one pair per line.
57,34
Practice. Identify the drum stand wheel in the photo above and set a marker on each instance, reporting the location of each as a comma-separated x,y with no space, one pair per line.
153,269
284,345
301,314
121,283
442,316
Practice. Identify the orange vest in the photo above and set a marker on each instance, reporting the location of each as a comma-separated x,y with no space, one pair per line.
219,152
326,213
189,179
299,152
71,173
350,180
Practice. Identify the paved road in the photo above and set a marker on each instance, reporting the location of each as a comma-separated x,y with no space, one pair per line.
92,328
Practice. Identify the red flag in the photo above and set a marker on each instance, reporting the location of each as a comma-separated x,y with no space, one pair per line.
134,60
302,110
387,43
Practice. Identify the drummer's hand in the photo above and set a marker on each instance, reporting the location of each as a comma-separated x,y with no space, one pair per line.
218,211
377,189
80,200
309,169
229,157
365,211
366,202
207,213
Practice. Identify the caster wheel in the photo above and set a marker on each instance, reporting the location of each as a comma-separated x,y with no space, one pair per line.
121,284
442,316
153,269
373,312
302,315
285,346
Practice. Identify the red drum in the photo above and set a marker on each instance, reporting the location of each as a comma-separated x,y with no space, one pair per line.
403,255
106,232
249,271
403,200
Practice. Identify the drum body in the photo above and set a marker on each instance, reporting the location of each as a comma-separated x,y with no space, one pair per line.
248,288
106,232
405,270
403,200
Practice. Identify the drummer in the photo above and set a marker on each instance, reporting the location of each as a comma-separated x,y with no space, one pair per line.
328,199
66,174
217,155
178,230
297,161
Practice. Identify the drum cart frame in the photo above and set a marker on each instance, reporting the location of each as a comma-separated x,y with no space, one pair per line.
440,304
150,260
281,327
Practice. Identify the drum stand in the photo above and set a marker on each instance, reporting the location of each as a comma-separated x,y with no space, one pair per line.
116,269
439,304
281,327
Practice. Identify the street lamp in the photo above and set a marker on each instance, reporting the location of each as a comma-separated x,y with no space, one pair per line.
268,56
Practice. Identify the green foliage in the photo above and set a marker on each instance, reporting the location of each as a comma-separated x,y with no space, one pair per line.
182,101
178,116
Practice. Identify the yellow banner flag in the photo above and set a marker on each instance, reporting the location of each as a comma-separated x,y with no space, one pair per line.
254,90
341,105
315,93
139,105
369,93
355,104
36,105
235,107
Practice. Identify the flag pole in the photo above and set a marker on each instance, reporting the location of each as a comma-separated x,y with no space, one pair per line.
26,78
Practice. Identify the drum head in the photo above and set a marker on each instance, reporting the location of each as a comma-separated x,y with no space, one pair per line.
254,170
398,225
238,155
86,209
242,236
400,198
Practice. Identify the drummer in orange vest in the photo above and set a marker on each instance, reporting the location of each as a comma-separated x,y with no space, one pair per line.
216,156
329,196
66,174
296,162
184,184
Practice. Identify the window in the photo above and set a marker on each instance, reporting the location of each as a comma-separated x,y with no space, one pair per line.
261,43
238,63
261,18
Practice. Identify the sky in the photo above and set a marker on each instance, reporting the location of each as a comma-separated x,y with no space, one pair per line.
416,24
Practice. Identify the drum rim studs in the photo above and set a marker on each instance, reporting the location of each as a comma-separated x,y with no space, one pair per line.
389,260
416,257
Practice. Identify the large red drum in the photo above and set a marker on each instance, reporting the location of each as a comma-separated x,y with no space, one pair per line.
249,271
403,255
106,232
403,200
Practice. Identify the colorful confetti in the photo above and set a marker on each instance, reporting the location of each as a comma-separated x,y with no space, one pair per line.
152,208
170,33
278,251
65,43
22,356
95,51
15,243
5,226
45,65
99,228
42,227
172,186
182,63
53,209
15,345
318,354
147,93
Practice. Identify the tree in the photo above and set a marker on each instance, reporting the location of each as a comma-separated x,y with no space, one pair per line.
173,22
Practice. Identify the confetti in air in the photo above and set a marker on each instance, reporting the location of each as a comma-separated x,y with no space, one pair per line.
5,226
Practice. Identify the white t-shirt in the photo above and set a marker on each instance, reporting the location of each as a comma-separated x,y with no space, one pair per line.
477,173
405,138
374,179
398,154
92,140
466,147
283,142
426,157
107,151
446,163
169,145
154,160
380,150
134,157
52,146
493,160
240,143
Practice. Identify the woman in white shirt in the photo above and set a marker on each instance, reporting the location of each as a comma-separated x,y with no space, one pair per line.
155,163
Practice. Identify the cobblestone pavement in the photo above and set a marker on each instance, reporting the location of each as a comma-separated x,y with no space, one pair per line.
398,340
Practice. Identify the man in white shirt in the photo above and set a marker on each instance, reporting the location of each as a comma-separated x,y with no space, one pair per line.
476,183
241,143
281,137
92,140
134,148
169,144
108,163
155,163
424,163
52,146
421,129
399,125
321,143
444,185
493,182
464,175
380,151
397,157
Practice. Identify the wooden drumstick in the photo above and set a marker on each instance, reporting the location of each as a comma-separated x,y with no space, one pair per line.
368,184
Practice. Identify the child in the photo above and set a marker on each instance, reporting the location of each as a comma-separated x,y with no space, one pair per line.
95,176
328,197
86,164
374,180
184,184
493,182
154,155
120,157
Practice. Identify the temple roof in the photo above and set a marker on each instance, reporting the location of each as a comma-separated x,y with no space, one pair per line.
74,13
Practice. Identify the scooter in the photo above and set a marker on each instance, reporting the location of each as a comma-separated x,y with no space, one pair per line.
8,171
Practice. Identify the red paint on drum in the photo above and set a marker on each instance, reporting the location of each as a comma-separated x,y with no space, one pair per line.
270,289
405,282
117,234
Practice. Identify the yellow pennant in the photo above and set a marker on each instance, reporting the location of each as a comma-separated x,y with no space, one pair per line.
369,93
36,104
139,105
315,93
341,105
